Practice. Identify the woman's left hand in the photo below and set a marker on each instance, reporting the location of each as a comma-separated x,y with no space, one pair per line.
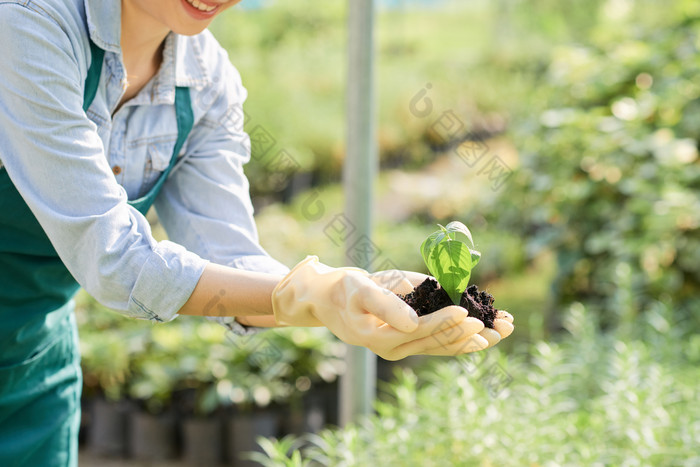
403,282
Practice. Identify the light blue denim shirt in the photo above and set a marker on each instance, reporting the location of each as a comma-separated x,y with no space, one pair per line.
75,169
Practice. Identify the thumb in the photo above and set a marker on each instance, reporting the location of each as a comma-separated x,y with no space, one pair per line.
394,280
386,306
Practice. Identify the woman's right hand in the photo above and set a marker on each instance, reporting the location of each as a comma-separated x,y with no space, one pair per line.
360,312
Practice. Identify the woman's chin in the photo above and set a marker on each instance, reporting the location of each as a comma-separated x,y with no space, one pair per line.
189,29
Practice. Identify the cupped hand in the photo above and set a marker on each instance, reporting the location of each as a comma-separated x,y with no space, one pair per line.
361,312
403,282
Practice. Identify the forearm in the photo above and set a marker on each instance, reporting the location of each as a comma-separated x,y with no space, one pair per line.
259,321
225,291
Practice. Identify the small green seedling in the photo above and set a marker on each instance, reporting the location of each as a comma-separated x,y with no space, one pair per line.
450,260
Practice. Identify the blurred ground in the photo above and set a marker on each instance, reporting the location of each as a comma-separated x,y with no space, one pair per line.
86,459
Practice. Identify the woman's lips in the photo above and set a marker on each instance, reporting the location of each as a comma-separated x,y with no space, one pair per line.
201,10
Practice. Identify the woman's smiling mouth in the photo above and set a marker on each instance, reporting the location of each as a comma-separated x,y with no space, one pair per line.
202,10
201,6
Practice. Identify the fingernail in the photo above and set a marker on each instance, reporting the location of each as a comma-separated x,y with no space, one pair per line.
502,314
491,336
503,327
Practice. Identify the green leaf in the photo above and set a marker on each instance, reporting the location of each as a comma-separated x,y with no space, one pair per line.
450,232
449,260
456,227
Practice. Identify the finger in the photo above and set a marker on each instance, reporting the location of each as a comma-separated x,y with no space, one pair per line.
491,335
440,321
395,280
449,332
470,344
502,314
436,322
447,324
503,327
385,305
416,278
442,339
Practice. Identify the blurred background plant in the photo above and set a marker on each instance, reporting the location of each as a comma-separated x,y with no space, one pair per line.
615,190
589,399
196,361
590,237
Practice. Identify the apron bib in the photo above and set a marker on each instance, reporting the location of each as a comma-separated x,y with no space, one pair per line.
40,378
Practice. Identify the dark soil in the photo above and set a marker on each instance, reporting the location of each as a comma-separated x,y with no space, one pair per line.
429,297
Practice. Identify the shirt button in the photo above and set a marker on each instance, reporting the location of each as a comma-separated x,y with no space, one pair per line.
116,170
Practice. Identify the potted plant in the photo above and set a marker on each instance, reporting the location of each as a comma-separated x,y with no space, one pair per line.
451,261
315,358
105,365
107,342
202,428
255,412
257,385
155,374
198,399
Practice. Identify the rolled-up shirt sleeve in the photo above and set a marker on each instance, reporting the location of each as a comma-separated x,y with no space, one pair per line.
205,204
56,160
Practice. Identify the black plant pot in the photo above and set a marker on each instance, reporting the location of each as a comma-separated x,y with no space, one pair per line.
202,441
307,415
107,430
85,417
314,411
243,428
292,421
331,401
152,437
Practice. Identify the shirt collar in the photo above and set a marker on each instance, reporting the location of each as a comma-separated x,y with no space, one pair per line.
104,23
182,60
182,66
191,68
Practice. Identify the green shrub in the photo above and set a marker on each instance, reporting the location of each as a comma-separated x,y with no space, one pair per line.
126,358
278,366
589,399
610,171
107,343
292,57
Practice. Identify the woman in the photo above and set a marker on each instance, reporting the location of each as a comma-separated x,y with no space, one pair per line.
106,108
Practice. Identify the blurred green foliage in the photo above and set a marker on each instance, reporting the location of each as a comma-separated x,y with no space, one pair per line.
200,362
292,58
610,175
600,104
590,399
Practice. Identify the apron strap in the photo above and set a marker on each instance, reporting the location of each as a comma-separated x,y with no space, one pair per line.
183,114
93,77
185,121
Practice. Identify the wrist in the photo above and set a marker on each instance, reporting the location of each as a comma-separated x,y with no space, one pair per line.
259,321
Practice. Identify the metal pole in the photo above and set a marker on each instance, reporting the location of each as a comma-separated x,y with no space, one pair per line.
358,385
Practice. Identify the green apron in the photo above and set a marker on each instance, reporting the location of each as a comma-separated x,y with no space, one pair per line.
40,378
